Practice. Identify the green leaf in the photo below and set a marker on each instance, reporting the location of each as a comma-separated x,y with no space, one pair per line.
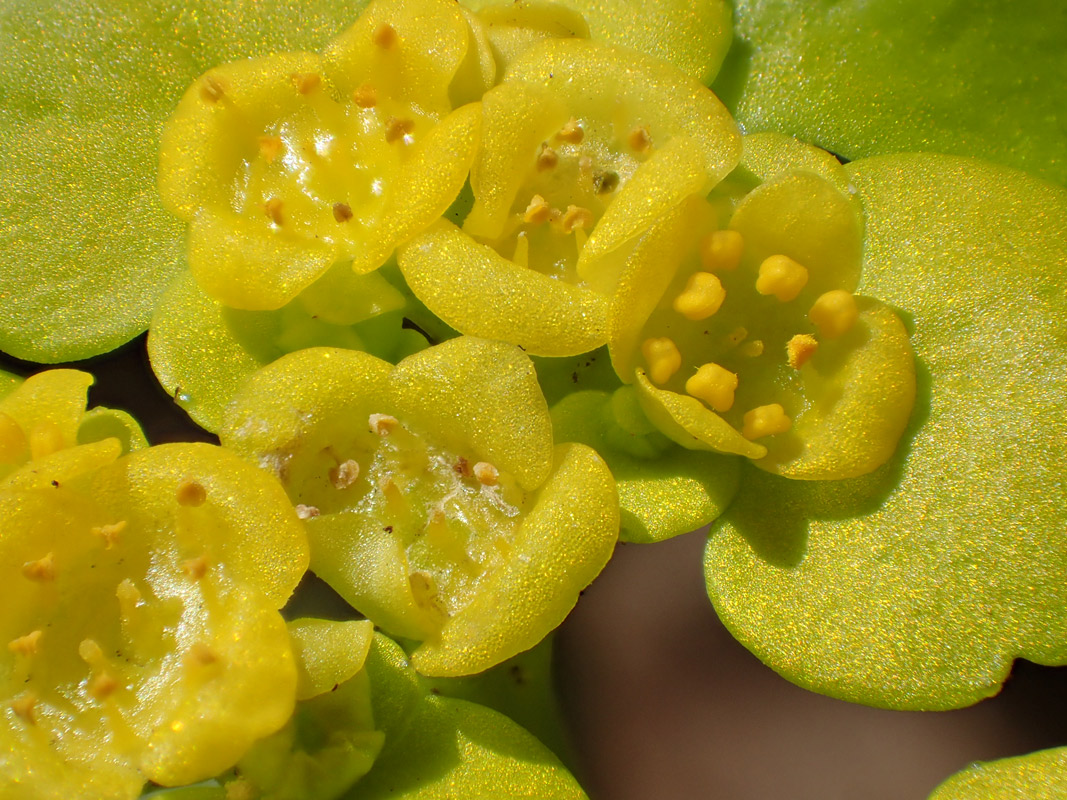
1036,776
978,79
916,586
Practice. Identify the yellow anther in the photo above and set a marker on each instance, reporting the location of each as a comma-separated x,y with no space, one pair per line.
13,441
702,297
42,570
191,493
212,89
800,348
752,349
45,438
782,277
640,139
576,217
270,147
396,128
571,132
546,158
306,82
128,594
765,421
202,655
538,211
486,473
90,652
385,36
109,533
834,313
721,250
195,568
662,357
383,424
342,212
102,685
714,385
306,512
273,209
365,96
25,645
736,336
344,474
24,706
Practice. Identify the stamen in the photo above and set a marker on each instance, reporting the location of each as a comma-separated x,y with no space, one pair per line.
640,139
721,250
365,96
13,442
25,645
522,250
394,498
576,217
486,473
41,570
270,147
191,493
714,385
383,424
800,348
834,313
128,595
385,36
45,438
571,132
212,89
342,212
306,82
765,421
702,297
538,211
397,128
546,158
89,652
662,357
109,533
273,209
752,349
195,568
306,512
344,474
102,686
782,277
24,706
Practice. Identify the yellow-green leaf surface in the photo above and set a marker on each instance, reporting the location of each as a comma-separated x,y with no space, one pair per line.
440,748
86,248
916,586
1036,776
861,79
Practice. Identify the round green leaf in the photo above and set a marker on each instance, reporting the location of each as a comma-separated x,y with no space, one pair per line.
1036,776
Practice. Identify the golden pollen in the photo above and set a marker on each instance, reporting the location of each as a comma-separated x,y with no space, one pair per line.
212,89
109,533
342,212
639,139
306,512
546,158
538,211
365,96
702,297
25,645
715,385
383,424
45,438
13,442
195,568
273,209
306,82
721,250
270,147
24,706
571,132
191,493
663,359
576,217
765,421
834,313
103,686
486,473
782,277
345,474
800,348
385,36
41,570
397,128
